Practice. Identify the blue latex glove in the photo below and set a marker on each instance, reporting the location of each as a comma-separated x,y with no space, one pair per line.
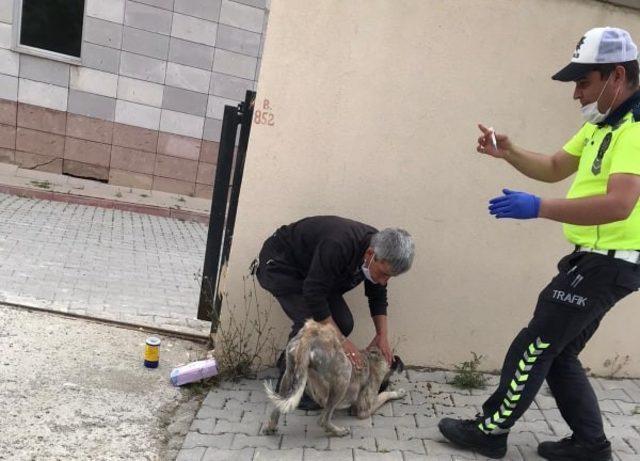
514,204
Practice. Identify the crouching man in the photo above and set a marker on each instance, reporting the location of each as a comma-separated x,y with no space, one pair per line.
308,266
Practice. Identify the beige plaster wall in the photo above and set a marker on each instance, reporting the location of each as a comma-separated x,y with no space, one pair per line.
375,105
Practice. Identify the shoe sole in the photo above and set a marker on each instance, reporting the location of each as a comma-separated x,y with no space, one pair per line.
488,453
565,458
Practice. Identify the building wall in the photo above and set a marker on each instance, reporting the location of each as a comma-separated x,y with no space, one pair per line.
144,108
373,108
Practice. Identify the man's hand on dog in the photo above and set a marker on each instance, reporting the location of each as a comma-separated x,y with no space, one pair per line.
382,342
352,353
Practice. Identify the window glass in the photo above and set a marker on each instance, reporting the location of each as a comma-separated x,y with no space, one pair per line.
53,25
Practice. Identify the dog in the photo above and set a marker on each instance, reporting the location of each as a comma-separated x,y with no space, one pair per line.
315,361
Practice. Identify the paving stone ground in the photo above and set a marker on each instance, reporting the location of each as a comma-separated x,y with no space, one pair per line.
228,425
101,262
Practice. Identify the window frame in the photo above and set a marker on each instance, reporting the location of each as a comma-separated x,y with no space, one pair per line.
41,52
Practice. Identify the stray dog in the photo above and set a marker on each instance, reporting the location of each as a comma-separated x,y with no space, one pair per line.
316,361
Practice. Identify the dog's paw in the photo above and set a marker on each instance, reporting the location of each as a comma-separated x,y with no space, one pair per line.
338,431
270,430
400,394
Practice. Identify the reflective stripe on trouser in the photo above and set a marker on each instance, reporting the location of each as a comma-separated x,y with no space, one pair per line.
568,312
490,425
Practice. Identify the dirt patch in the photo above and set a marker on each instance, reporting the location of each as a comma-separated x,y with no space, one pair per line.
75,389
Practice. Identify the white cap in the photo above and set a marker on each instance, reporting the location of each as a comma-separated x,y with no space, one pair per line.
602,45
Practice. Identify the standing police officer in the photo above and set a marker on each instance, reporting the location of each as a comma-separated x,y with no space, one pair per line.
602,221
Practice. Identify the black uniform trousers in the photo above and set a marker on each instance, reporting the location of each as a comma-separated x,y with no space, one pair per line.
568,312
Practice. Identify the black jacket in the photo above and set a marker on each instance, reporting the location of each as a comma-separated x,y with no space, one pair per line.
318,257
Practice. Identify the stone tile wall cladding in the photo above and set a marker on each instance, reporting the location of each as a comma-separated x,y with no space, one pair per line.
145,107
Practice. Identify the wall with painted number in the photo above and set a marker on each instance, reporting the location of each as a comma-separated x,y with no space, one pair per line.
263,115
369,110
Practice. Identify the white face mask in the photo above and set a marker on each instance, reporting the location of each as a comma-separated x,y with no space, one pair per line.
366,271
590,112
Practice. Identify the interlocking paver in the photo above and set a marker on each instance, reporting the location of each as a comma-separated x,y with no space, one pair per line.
623,420
226,427
388,432
627,408
620,445
311,454
212,454
360,455
468,412
613,394
431,432
468,400
410,434
523,438
621,432
191,454
101,262
203,426
258,408
195,439
233,416
302,441
263,441
266,454
414,445
609,406
634,442
444,448
336,443
533,415
215,399
394,421
426,422
527,453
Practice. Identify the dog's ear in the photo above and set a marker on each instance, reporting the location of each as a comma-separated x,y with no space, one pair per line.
397,365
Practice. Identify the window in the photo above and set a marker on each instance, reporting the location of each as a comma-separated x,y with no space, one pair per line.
50,28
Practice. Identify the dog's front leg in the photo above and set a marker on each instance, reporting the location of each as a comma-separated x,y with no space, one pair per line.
382,398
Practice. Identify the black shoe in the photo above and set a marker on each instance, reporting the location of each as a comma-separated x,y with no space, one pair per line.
307,403
466,434
569,449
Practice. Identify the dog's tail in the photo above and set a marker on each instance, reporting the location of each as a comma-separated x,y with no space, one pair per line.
285,404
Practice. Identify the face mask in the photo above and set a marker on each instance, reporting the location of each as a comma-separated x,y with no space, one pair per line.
590,112
366,271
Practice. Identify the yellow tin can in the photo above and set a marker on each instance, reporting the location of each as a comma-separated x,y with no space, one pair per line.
152,352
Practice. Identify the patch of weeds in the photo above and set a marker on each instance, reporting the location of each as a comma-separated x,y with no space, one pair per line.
467,374
614,365
144,195
119,194
180,199
200,387
636,410
41,184
244,341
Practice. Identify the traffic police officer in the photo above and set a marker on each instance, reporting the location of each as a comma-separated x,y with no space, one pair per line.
601,220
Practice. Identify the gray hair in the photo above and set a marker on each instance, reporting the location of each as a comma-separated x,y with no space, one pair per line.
396,247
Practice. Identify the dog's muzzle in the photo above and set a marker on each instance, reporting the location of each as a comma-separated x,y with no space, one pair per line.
397,366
